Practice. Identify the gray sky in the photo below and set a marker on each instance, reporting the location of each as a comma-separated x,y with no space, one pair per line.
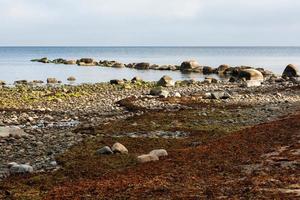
150,22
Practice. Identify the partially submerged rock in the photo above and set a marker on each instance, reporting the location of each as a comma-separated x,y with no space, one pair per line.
143,65
118,65
221,69
189,66
70,62
86,62
42,60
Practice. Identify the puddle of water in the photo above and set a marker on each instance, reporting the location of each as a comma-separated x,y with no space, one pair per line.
60,124
154,134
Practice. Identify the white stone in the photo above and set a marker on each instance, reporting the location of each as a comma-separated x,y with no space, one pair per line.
159,152
119,148
21,169
147,158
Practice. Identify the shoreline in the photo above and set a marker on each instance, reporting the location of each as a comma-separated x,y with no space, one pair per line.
56,123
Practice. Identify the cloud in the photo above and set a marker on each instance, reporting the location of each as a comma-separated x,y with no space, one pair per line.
146,22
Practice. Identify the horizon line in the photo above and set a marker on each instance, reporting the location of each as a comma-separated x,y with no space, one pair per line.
152,46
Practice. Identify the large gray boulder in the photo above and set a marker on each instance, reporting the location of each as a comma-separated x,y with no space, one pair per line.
291,71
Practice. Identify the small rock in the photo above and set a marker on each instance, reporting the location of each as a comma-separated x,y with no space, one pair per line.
159,152
71,78
21,169
105,150
147,158
159,91
166,81
52,80
177,94
119,148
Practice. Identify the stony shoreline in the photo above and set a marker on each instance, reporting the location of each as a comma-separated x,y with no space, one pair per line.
45,121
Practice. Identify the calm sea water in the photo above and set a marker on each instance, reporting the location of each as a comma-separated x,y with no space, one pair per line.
15,61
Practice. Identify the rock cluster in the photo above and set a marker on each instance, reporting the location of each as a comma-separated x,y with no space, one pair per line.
116,148
154,155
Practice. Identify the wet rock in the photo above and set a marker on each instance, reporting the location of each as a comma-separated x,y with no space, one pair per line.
221,69
291,71
119,148
59,61
2,82
42,60
166,67
70,62
159,152
52,80
147,158
142,65
71,78
189,65
166,81
207,70
20,169
251,74
86,62
117,82
118,65
105,150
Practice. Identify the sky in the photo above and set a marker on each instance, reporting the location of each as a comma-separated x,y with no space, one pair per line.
150,22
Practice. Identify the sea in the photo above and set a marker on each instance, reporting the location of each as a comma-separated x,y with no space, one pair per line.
15,62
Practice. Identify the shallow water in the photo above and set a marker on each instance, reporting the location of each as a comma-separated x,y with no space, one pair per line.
15,61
